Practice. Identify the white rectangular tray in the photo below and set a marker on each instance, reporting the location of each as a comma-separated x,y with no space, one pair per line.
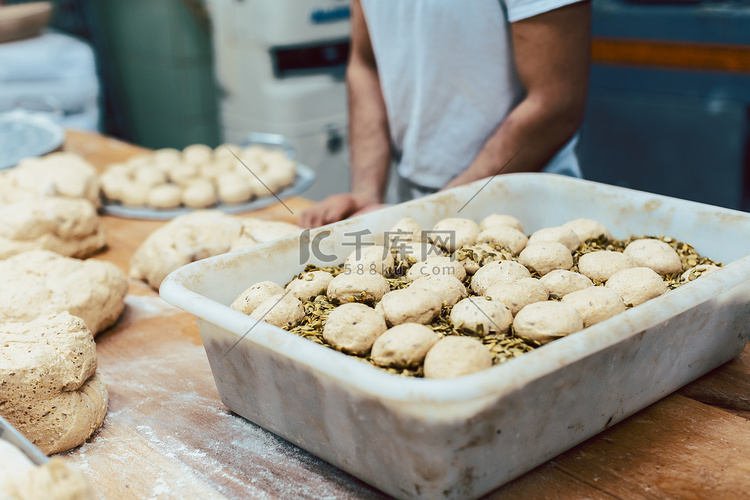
461,438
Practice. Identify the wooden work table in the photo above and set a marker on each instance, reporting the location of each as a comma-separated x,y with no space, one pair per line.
167,434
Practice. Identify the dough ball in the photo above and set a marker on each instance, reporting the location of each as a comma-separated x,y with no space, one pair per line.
112,181
654,254
197,154
637,285
494,220
199,193
453,233
518,294
546,256
547,321
697,272
166,157
600,265
283,173
183,173
473,257
255,231
353,328
370,259
455,357
227,150
133,194
350,287
234,188
449,288
559,283
165,196
587,229
438,266
310,285
403,346
502,271
505,236
251,298
481,315
282,310
405,230
411,305
557,234
595,304
150,176
416,251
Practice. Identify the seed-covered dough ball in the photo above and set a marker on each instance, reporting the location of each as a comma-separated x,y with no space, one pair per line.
502,271
165,196
282,310
473,257
234,188
654,254
455,356
600,265
251,298
133,194
197,154
348,287
508,237
454,232
637,285
370,259
353,328
309,285
440,266
199,194
588,229
481,315
449,288
595,304
546,256
557,234
559,283
403,346
518,294
494,220
416,251
406,229
698,271
547,321
410,305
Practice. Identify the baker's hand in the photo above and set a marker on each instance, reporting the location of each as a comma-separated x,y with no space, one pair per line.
335,208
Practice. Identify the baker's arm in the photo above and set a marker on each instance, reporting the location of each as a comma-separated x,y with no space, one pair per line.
552,52
369,139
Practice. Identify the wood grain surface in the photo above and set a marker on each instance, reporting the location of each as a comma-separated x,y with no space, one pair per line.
167,434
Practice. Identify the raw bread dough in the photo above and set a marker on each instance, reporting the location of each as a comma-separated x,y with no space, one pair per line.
403,346
150,176
370,259
654,254
518,294
66,226
50,391
557,234
473,257
494,220
600,265
183,240
546,256
595,304
282,310
353,328
547,321
453,233
254,296
439,266
133,194
410,305
64,174
165,196
455,357
492,315
501,271
560,282
39,282
637,285
234,188
197,154
449,288
697,272
183,174
505,236
166,157
405,230
309,285
349,287
199,194
255,231
415,251
588,229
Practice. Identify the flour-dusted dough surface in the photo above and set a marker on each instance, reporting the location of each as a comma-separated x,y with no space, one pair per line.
438,266
637,285
254,231
494,220
449,288
254,296
595,304
560,282
66,226
50,391
404,345
654,254
309,285
558,234
453,233
353,328
455,357
415,251
352,286
518,294
410,305
547,321
405,230
282,310
497,272
39,282
183,240
492,315
600,265
505,236
370,259
587,229
545,257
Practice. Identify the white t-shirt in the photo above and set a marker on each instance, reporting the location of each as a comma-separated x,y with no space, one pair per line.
448,78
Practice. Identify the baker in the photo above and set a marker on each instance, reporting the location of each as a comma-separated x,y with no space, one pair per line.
455,91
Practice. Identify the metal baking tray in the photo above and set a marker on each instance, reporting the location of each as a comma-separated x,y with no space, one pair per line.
461,438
